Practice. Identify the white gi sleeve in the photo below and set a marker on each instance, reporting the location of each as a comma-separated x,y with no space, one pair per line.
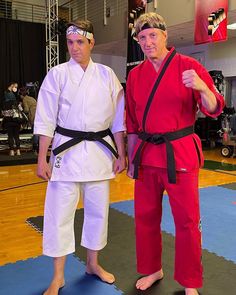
47,104
118,123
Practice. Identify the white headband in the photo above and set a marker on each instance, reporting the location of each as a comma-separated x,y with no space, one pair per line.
75,30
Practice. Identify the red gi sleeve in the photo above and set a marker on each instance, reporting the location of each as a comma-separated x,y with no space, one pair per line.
131,120
205,76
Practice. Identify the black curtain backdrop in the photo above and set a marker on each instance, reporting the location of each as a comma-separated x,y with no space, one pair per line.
134,52
62,47
22,52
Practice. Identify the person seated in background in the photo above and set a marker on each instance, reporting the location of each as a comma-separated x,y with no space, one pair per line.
29,106
10,124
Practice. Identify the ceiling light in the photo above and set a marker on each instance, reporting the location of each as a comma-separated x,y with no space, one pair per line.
231,26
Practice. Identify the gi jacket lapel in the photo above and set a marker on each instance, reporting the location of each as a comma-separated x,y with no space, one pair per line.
143,135
158,80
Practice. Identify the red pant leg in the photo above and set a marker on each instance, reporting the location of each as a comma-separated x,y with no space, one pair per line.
184,201
148,212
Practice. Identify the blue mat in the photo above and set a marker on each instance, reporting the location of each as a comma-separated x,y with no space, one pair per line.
218,210
218,213
32,276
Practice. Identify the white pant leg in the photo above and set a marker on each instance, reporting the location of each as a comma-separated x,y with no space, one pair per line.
96,207
59,212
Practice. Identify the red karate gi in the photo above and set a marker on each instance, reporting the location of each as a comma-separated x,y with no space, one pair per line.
174,107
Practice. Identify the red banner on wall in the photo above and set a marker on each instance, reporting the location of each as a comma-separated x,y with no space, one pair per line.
210,21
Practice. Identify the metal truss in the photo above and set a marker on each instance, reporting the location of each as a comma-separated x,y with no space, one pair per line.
52,39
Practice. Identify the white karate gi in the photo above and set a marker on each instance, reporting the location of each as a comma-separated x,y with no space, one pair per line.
86,101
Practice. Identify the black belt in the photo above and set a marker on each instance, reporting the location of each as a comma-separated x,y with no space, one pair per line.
78,136
158,139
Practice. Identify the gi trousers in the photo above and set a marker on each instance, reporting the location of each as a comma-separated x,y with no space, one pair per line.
59,213
184,202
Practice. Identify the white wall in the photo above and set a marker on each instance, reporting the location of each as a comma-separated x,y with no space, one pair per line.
175,12
180,11
216,56
33,2
117,63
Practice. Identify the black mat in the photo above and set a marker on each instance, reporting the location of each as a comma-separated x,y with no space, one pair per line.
24,158
216,165
119,257
229,186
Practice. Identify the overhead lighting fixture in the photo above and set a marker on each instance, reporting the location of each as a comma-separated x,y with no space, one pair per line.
231,26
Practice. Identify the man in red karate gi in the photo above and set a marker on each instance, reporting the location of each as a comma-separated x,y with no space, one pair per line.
163,95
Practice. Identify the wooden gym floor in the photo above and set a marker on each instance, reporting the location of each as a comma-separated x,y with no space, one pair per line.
22,196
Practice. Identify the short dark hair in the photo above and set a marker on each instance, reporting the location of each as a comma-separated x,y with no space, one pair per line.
11,83
23,91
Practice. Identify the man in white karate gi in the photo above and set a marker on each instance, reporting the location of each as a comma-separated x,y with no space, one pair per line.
80,107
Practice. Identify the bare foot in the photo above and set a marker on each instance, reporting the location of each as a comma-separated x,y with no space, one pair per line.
101,273
191,291
149,280
54,288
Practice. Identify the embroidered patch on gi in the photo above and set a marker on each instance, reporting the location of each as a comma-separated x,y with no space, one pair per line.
58,162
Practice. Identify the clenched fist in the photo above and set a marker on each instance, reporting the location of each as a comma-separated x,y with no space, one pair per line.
191,80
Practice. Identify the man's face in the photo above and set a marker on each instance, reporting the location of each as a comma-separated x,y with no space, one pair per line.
152,42
79,48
